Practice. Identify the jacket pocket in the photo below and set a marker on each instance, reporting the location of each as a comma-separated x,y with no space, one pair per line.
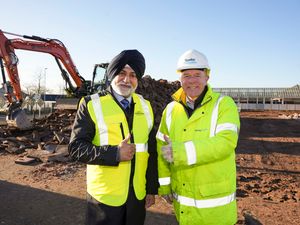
216,189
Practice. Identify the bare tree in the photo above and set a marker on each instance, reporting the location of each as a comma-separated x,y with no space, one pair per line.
35,89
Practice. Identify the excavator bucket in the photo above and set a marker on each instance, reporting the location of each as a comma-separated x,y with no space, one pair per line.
19,119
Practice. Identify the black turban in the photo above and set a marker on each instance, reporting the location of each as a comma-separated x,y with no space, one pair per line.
131,57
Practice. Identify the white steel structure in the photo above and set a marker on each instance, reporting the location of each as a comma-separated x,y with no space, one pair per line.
264,98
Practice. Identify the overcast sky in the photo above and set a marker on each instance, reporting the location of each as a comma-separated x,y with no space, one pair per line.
249,43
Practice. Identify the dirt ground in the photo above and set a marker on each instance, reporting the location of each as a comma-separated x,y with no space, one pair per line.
268,181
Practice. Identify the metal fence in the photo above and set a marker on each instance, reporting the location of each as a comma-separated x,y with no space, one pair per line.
251,106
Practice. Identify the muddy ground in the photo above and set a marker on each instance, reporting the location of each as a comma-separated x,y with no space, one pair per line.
268,165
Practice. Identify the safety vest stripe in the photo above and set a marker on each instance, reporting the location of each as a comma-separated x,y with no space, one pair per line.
214,118
141,147
160,136
164,181
207,203
147,112
170,107
103,132
226,126
190,150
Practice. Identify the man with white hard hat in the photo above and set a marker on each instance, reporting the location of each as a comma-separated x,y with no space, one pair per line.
196,144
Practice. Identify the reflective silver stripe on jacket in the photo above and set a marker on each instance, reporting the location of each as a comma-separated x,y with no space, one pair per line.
226,126
207,203
147,112
141,147
103,131
214,118
170,107
190,150
164,181
160,135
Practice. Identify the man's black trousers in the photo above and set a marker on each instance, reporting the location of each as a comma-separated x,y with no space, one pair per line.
131,213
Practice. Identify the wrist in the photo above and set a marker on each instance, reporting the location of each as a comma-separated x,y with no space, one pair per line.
118,154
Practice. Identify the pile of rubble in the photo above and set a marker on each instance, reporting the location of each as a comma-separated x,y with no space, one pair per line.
47,141
294,116
158,92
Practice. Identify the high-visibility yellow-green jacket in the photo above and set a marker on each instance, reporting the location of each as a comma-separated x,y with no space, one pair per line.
109,184
202,177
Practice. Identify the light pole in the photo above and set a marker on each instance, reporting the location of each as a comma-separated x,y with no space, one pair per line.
45,71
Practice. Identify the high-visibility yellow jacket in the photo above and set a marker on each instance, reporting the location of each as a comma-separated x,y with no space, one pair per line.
202,177
109,184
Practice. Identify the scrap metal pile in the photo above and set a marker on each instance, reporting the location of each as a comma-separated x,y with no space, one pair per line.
158,93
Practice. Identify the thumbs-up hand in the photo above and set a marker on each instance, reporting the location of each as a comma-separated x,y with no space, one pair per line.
126,150
167,151
167,139
168,198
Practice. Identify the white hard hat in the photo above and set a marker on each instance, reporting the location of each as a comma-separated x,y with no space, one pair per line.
192,59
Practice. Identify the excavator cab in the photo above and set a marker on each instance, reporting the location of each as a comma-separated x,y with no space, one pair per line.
99,80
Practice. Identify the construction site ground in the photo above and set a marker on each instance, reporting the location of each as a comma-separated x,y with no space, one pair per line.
268,180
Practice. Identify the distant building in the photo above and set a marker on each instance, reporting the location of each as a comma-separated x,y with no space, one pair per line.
264,98
51,97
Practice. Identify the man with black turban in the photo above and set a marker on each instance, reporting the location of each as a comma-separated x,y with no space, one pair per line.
113,135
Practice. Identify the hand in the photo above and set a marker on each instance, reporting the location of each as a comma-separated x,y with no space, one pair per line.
168,198
126,150
149,201
167,150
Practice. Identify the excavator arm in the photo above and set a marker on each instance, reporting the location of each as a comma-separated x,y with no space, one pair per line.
37,44
9,61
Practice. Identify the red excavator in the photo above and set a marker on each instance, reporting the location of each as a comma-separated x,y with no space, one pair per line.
8,60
